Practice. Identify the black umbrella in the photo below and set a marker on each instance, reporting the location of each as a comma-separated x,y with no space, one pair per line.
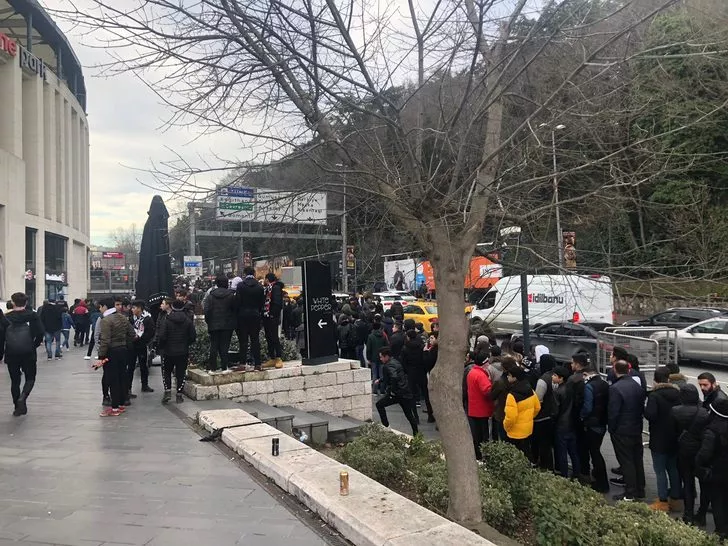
154,281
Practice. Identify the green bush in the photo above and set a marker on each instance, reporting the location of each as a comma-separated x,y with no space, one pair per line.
510,470
200,350
379,454
497,504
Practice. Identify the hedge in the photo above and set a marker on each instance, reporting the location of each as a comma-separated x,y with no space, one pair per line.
529,505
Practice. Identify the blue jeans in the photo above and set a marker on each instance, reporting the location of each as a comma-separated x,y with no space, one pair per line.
49,338
566,444
666,466
66,336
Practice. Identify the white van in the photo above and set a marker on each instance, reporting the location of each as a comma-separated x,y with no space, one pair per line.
551,298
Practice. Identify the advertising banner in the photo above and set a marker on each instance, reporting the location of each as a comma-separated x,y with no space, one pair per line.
400,274
320,324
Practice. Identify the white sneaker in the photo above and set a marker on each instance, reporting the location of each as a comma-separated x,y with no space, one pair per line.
87,358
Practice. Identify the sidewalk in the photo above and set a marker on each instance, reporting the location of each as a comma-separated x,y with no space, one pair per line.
68,476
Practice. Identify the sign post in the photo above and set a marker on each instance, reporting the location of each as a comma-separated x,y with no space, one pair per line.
193,266
320,327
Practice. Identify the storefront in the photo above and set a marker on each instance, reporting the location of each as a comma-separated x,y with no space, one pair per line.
56,278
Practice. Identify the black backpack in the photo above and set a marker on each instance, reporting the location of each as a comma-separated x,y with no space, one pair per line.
19,339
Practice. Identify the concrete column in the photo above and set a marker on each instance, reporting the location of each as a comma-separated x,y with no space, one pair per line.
60,192
11,107
86,182
40,270
33,142
76,176
68,182
50,153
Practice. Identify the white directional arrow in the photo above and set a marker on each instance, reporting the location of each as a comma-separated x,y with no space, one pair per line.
321,323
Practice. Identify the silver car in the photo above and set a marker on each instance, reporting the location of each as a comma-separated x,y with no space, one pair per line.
705,341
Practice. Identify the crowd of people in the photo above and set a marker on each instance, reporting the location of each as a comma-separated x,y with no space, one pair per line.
559,416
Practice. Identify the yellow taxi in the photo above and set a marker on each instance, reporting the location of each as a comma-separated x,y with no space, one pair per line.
421,311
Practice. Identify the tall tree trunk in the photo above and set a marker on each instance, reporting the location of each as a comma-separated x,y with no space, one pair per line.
446,382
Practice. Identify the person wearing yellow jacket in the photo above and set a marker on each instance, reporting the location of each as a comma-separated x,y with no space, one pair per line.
522,405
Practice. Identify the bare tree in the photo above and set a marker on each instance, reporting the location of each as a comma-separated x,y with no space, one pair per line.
424,105
128,240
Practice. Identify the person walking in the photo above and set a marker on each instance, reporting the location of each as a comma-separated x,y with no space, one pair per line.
362,334
564,433
175,338
66,325
625,408
219,308
522,406
81,320
712,462
594,419
375,342
272,310
22,334
397,390
115,339
94,339
143,324
52,318
249,299
663,441
690,420
347,338
479,402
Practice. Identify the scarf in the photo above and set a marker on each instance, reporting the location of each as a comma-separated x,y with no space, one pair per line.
268,295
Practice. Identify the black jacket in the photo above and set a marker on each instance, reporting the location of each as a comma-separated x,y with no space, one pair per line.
565,408
690,420
250,298
396,344
395,379
51,314
626,404
388,326
549,406
276,300
713,453
430,358
397,311
658,412
36,332
412,357
596,400
148,328
177,333
220,310
713,396
288,316
362,331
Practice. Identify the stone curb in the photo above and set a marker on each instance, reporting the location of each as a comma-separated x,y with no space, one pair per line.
371,515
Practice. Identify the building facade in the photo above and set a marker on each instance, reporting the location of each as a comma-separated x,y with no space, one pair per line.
44,158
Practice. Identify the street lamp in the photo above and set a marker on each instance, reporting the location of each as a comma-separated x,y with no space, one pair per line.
344,276
559,237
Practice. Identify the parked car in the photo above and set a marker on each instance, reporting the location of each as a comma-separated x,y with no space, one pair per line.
566,338
421,311
679,317
388,298
705,341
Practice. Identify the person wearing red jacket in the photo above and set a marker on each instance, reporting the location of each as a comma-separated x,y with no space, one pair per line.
480,404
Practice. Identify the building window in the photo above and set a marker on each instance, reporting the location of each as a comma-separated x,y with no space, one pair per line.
56,275
30,265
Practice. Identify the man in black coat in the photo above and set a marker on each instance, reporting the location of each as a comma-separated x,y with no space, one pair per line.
397,389
272,309
249,300
663,440
712,462
710,388
396,340
51,317
144,327
626,403
690,420
177,333
219,308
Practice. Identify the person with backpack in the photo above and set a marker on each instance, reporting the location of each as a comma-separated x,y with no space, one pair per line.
250,299
22,333
690,419
594,418
564,433
177,334
219,308
347,338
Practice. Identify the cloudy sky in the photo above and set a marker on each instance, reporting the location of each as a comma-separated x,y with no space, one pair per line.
128,137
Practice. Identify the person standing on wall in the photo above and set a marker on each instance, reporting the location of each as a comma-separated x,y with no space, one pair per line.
272,309
22,334
249,299
175,338
115,339
144,333
219,308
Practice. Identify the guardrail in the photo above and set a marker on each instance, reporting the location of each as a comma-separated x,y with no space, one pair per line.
653,346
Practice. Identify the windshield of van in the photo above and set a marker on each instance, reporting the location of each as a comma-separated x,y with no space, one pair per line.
488,300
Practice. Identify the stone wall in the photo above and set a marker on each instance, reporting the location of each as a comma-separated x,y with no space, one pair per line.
340,388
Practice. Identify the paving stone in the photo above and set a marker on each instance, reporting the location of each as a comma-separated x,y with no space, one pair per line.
70,477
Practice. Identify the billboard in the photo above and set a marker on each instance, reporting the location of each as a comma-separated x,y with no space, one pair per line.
482,273
112,255
238,204
400,274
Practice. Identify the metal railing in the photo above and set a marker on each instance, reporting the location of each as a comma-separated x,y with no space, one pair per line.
653,346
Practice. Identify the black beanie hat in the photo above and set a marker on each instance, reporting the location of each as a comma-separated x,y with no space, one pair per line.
561,371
